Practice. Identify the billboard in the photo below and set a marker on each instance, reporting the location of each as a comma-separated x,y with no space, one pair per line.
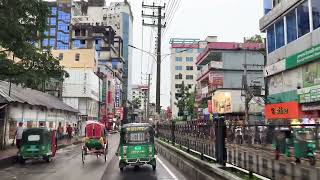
118,96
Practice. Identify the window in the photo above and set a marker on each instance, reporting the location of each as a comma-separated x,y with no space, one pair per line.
271,39
52,42
178,85
53,21
60,56
189,50
178,95
291,26
178,50
200,50
77,32
198,68
316,13
62,46
83,32
45,42
189,68
189,59
303,19
178,59
63,26
54,11
179,76
77,57
76,43
189,76
178,68
189,86
279,34
52,31
46,33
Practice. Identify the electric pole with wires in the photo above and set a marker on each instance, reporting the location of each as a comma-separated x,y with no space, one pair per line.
159,26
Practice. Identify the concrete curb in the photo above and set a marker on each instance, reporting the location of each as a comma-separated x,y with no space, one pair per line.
207,170
6,162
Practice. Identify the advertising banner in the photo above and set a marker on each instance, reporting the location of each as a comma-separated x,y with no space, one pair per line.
118,96
311,74
303,57
215,80
119,112
287,110
210,106
222,102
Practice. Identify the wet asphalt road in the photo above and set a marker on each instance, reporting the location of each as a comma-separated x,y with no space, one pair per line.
67,165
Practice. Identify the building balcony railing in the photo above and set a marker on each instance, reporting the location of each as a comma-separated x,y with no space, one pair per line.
207,67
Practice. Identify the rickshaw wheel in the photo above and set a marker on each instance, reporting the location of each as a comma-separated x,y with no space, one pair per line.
312,161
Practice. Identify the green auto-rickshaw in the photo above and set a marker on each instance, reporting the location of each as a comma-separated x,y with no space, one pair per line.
305,144
282,141
137,145
37,143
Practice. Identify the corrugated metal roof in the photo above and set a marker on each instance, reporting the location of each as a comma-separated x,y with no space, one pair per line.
32,97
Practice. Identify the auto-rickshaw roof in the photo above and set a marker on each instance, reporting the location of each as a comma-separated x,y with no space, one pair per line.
137,126
39,129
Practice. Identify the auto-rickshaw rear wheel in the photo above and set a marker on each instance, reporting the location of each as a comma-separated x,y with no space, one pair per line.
47,158
21,160
312,161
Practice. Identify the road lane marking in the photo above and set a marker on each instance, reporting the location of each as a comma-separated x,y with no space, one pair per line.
167,169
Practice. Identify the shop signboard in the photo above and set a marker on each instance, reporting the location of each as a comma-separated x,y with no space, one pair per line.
303,57
311,74
308,95
287,110
118,94
119,112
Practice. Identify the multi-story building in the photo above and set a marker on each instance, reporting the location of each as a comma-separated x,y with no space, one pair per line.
293,69
81,90
183,67
57,34
220,82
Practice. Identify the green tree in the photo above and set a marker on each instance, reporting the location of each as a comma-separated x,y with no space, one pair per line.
136,103
255,39
22,25
185,101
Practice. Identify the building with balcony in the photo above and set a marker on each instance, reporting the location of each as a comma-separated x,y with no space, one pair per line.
220,79
293,71
183,67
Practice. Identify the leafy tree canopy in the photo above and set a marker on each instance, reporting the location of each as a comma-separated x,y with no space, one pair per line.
22,23
255,39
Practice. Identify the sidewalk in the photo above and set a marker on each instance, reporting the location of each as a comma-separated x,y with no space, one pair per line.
8,155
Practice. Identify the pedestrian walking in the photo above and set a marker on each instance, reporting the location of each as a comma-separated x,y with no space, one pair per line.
18,135
69,132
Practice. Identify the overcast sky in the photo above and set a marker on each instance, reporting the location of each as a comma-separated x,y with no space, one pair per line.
230,20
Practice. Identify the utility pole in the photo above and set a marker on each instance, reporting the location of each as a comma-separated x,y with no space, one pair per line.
248,94
159,26
148,102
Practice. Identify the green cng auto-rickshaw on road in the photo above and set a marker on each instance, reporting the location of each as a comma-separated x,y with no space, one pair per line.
305,144
137,145
37,143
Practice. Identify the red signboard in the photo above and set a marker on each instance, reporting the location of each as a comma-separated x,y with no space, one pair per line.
209,106
119,112
287,110
109,97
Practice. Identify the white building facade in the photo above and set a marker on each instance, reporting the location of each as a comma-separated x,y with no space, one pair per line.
184,53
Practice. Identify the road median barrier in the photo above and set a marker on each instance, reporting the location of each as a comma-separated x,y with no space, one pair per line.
191,166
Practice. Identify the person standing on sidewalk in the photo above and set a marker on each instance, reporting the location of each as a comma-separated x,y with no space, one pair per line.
18,135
